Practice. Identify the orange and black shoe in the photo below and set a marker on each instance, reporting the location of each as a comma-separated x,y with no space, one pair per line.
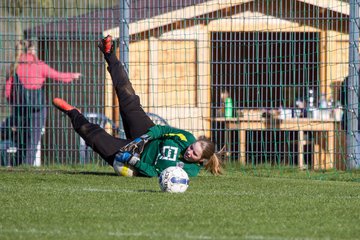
62,105
106,44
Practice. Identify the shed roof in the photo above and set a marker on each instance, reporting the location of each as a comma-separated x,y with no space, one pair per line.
98,21
146,15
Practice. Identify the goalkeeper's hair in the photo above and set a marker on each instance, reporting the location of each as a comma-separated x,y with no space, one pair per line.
213,162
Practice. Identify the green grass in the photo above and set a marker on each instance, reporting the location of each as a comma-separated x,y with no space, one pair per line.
246,204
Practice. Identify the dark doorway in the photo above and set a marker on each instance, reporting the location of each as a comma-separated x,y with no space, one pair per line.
261,70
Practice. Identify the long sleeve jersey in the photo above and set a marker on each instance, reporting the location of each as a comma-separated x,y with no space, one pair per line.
166,149
32,74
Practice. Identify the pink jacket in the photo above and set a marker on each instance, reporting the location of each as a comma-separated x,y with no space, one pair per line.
32,74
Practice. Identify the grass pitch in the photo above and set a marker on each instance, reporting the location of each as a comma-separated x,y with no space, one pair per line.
64,204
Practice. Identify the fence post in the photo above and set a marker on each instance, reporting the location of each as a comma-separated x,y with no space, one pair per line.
352,137
124,33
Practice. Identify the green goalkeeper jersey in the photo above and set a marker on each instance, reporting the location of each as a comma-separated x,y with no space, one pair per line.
166,149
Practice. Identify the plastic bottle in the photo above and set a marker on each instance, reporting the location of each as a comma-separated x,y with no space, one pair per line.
323,103
323,107
310,104
228,108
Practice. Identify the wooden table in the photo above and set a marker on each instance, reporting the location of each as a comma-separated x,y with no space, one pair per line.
292,124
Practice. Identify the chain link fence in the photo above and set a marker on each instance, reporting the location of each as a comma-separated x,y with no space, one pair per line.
264,79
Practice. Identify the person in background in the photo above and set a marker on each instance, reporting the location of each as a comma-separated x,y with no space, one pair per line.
149,148
24,90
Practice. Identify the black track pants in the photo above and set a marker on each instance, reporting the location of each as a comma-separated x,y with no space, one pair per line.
135,120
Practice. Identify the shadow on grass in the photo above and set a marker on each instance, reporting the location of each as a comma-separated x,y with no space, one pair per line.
149,191
90,173
57,171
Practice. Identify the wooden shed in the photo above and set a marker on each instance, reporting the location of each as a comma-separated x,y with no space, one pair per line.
175,56
265,55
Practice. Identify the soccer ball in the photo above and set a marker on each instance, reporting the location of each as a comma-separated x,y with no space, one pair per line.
124,170
174,180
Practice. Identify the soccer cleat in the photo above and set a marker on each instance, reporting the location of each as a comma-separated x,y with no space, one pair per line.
106,44
62,105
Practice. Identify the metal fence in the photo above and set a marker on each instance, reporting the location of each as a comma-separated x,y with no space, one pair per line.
265,79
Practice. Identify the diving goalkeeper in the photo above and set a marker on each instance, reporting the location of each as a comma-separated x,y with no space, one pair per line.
149,148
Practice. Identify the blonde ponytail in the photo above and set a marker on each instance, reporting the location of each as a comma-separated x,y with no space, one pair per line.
213,161
214,165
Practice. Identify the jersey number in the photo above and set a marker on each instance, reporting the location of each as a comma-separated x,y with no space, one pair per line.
169,153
